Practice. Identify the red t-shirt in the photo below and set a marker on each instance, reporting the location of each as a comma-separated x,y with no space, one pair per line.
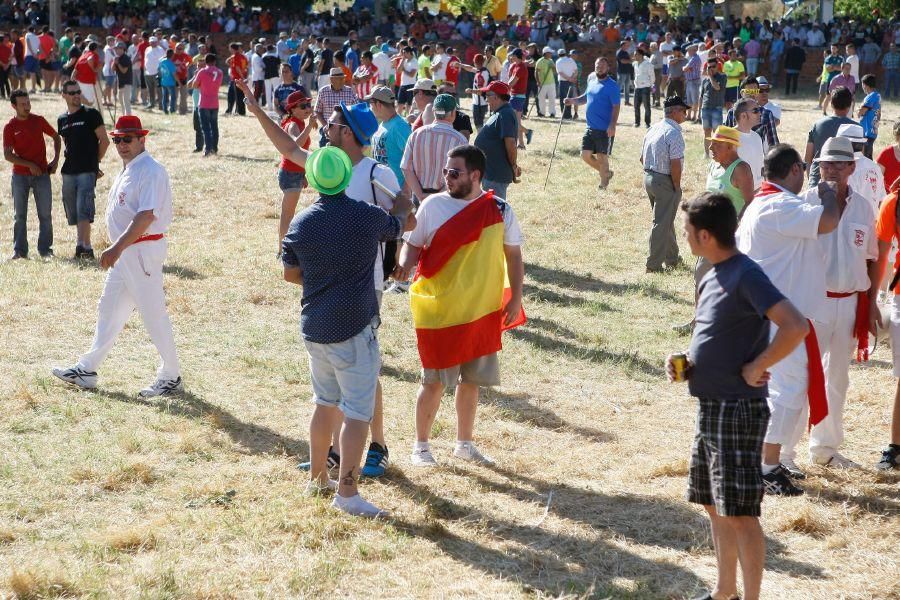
886,226
238,68
139,57
5,53
286,164
84,68
452,72
519,70
888,160
181,60
47,44
26,138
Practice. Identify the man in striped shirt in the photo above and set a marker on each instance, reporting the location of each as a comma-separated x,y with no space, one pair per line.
365,76
427,147
330,96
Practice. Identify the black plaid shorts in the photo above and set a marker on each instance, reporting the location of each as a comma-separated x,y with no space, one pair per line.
726,458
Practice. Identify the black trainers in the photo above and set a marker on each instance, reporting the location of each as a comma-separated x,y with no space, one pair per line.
78,252
890,458
376,461
778,483
333,461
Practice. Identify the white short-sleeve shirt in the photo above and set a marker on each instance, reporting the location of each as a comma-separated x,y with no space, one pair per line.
439,208
780,232
751,152
848,247
142,185
867,179
360,189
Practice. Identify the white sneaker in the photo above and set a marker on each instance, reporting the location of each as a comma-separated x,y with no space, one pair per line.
314,488
793,470
356,506
86,380
835,461
162,387
468,451
398,287
422,458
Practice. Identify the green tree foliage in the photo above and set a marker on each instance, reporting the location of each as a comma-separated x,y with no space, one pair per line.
477,8
864,9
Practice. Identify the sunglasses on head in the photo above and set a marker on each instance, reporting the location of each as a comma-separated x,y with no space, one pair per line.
123,139
452,173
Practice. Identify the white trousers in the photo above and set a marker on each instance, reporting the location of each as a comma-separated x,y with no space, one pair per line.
836,343
788,398
270,84
547,99
135,281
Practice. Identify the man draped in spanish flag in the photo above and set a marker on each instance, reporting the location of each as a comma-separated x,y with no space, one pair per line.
467,291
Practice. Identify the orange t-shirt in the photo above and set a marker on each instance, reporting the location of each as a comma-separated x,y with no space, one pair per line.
611,34
886,226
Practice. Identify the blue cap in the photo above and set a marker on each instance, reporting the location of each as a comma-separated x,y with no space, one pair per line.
361,121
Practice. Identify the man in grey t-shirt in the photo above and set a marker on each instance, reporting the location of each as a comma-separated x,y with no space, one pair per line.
825,128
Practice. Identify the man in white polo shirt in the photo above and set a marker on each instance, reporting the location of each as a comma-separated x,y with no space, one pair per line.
850,252
867,179
138,214
779,230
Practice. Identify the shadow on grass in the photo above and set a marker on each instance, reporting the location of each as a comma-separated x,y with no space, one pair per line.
521,408
234,157
554,563
631,362
584,283
256,439
829,489
183,272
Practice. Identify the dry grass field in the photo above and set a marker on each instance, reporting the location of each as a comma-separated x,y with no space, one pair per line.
103,495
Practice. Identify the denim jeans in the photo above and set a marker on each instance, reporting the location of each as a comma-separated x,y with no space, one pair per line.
209,122
78,192
624,81
499,188
43,198
169,98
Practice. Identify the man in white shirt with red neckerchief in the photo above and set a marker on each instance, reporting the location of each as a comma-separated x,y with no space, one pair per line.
779,230
850,252
138,214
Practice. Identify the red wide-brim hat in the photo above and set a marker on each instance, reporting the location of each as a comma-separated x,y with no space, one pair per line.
129,125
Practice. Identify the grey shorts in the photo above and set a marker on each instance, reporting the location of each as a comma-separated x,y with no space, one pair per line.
483,371
78,197
344,375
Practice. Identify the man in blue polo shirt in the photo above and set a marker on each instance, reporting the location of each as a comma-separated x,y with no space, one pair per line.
602,99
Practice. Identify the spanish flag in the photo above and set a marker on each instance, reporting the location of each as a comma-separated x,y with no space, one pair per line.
461,287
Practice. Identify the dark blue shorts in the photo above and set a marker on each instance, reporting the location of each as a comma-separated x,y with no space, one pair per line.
517,103
291,181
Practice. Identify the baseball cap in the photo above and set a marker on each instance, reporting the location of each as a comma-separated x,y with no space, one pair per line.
561,53
498,87
153,38
852,132
836,149
426,85
444,104
361,121
763,82
726,134
547,50
382,93
328,170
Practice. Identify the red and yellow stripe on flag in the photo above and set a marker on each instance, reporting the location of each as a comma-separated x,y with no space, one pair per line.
461,287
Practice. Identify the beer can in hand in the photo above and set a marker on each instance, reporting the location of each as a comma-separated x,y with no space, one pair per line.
679,364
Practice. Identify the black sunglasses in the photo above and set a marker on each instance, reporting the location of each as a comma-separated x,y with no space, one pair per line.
122,139
73,93
452,173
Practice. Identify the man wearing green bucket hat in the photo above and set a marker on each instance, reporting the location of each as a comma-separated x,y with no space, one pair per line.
333,174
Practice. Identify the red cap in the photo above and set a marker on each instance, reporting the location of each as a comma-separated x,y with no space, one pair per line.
294,99
129,125
498,87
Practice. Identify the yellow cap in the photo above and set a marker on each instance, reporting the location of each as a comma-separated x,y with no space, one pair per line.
726,134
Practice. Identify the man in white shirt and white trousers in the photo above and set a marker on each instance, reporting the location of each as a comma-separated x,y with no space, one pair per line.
138,214
780,231
850,252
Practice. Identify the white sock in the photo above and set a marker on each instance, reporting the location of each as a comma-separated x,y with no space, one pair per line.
460,444
421,446
355,505
766,469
